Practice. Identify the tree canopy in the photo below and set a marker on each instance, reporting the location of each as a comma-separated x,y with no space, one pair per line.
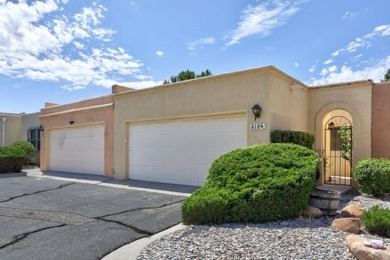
186,75
386,78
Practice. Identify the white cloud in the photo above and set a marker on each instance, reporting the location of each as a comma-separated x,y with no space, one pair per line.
34,37
160,53
328,62
346,73
312,68
383,30
79,45
296,65
365,41
332,68
200,42
349,15
262,19
336,53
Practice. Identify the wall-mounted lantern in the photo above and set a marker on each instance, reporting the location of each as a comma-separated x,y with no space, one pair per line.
41,128
71,122
256,109
330,125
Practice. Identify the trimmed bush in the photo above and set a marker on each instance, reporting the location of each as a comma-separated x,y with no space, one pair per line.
377,221
27,147
293,137
373,176
255,184
12,159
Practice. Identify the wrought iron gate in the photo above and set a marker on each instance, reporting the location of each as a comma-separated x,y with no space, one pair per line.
338,151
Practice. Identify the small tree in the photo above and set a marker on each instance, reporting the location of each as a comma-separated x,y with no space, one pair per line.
345,133
204,74
186,75
386,78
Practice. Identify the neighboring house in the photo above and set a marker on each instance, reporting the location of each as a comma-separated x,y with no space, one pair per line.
380,135
172,133
16,127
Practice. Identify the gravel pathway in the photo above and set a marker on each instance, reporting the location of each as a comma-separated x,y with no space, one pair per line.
292,239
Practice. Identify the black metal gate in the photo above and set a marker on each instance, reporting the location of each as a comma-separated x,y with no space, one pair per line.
338,151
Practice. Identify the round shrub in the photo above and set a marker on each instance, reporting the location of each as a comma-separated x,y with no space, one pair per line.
373,176
293,137
12,159
377,221
27,147
255,184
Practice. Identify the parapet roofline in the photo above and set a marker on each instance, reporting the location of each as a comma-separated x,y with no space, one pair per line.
184,82
344,84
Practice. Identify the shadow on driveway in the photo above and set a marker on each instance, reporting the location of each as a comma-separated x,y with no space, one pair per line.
46,218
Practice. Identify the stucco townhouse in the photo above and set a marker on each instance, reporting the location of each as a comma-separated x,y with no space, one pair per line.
172,133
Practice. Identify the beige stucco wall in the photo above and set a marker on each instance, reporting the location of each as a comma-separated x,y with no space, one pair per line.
12,128
380,120
210,96
288,104
353,97
87,112
28,121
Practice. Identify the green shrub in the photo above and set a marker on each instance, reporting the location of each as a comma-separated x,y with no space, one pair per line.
12,159
377,221
27,147
293,137
254,184
373,176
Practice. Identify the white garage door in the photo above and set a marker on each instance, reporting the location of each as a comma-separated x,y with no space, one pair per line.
181,152
77,149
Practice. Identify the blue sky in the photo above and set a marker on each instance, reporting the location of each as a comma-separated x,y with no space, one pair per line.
63,51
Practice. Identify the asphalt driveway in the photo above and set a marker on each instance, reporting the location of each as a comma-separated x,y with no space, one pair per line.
43,218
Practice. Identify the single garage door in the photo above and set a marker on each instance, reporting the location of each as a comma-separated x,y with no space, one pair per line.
181,152
77,149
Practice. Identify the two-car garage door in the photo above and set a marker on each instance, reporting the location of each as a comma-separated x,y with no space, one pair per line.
77,149
182,151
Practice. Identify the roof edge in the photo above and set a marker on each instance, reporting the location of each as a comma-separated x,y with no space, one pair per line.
342,84
170,85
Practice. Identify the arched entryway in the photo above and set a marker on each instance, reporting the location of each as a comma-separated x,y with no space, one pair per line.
338,148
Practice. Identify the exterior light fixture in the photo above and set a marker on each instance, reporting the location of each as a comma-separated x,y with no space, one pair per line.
41,128
331,125
71,122
256,109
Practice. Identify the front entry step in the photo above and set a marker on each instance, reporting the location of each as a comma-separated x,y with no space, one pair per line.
341,188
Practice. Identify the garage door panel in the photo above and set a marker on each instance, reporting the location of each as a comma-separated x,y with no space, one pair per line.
182,151
77,149
141,172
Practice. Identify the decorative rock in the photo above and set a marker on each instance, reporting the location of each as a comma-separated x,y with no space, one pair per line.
352,211
359,250
312,212
351,225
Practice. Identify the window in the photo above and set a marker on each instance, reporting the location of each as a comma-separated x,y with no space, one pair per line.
34,137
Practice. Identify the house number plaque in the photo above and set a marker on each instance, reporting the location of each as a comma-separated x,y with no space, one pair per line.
260,126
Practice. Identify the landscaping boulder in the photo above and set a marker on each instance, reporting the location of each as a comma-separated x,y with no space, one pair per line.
352,211
350,225
356,246
312,212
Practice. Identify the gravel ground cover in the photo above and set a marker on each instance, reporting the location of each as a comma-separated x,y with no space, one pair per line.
292,239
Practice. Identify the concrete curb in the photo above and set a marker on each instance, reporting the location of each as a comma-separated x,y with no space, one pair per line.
132,250
38,174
